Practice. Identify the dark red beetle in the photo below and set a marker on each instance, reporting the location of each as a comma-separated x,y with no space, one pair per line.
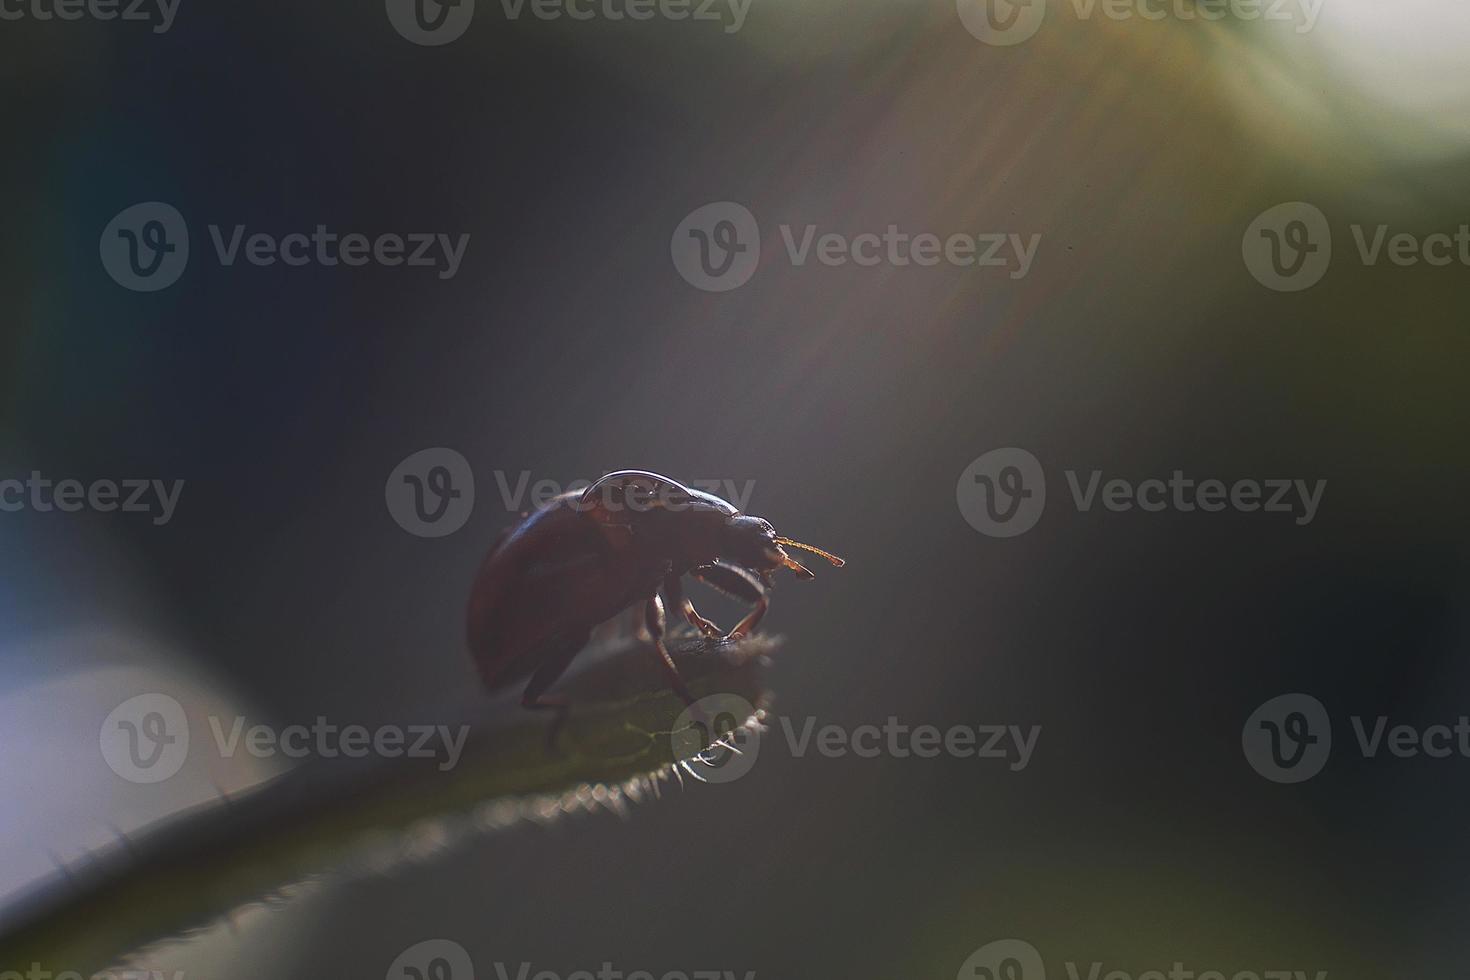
587,556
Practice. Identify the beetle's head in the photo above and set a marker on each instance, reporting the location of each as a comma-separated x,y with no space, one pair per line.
752,542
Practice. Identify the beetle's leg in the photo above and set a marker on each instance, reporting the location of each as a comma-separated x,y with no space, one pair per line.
554,663
653,615
674,596
741,584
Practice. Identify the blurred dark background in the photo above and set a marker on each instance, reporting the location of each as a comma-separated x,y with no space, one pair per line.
568,345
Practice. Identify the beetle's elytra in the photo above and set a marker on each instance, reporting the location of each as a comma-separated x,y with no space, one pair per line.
588,555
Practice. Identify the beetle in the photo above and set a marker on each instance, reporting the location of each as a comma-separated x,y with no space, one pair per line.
588,555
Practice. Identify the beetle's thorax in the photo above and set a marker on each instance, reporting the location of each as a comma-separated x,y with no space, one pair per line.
688,539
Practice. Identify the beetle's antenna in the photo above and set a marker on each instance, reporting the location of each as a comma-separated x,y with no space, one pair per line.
814,550
797,567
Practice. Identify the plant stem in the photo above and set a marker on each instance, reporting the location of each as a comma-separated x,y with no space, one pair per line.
194,867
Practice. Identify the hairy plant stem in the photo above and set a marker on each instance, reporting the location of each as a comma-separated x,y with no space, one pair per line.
195,867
